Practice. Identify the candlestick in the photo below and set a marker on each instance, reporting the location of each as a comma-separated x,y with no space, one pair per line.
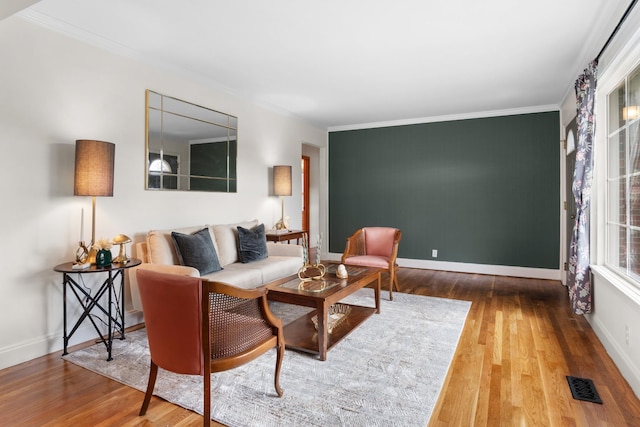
82,225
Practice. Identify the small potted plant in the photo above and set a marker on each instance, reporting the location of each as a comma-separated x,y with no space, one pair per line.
103,252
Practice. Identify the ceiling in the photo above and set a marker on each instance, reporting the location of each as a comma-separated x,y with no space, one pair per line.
341,63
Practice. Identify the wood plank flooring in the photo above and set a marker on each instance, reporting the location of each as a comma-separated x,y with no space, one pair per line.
519,343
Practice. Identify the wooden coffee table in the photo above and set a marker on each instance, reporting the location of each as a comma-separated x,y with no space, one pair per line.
321,295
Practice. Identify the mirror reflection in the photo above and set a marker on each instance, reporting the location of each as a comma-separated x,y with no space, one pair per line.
189,147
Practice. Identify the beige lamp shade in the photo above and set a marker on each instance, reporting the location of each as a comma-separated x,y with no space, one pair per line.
94,168
282,180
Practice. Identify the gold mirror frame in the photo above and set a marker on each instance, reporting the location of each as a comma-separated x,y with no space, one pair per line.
189,147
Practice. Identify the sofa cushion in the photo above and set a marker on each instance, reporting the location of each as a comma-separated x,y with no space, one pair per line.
238,275
226,235
160,246
252,244
276,267
196,250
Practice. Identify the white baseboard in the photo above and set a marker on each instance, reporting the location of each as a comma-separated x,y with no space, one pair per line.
627,366
461,267
28,350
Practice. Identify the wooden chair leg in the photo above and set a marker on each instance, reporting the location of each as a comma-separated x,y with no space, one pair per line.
153,373
206,422
279,358
393,281
395,278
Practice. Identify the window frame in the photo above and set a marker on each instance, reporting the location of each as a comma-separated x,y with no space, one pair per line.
617,72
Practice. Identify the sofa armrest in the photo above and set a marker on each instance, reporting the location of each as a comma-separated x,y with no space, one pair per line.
281,249
182,270
141,251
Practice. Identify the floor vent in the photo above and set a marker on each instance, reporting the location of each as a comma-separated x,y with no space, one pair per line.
583,389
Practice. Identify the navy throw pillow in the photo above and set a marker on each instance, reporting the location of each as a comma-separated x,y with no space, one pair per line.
252,244
196,250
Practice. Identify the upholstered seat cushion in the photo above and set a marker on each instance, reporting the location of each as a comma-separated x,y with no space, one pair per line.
234,274
368,261
257,273
276,267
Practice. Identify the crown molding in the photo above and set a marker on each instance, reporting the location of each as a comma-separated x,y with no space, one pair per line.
448,118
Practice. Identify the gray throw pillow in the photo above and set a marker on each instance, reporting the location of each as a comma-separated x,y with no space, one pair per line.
252,244
196,250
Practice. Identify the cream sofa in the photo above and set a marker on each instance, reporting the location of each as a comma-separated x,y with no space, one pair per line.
158,253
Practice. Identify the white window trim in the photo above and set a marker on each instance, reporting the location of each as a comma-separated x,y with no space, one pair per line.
627,60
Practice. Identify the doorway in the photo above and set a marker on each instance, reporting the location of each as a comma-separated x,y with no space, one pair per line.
311,202
570,203
305,165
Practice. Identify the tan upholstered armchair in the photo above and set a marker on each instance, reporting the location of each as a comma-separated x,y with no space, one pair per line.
375,247
198,327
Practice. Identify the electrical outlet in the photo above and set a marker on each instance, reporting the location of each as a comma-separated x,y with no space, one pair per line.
434,253
626,334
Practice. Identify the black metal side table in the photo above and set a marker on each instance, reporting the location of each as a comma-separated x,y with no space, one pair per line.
89,302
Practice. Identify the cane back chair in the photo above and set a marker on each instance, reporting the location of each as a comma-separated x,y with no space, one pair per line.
198,327
375,247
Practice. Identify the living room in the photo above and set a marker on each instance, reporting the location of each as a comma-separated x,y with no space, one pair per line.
57,89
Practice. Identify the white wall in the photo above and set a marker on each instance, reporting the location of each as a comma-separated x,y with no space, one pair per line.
54,90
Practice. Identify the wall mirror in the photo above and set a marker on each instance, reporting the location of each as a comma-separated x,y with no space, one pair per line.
189,147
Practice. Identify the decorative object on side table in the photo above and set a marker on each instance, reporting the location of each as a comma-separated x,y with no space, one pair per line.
311,271
341,272
103,253
82,253
122,240
336,313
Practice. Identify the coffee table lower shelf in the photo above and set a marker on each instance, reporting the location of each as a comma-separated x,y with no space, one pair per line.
301,335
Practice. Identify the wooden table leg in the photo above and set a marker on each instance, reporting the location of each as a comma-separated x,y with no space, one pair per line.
323,336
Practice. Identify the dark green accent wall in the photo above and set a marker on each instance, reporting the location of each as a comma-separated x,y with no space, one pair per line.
482,191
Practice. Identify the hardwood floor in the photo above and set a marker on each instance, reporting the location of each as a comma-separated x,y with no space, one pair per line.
519,342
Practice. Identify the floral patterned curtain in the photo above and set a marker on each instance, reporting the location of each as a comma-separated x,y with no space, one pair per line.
579,282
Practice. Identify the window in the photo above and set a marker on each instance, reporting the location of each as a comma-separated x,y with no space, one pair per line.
623,177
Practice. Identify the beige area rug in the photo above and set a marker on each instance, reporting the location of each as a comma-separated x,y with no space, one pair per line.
389,371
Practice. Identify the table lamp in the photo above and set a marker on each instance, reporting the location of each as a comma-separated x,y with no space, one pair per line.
93,177
282,187
122,240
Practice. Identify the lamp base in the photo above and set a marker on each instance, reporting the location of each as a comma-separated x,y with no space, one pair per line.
122,257
282,224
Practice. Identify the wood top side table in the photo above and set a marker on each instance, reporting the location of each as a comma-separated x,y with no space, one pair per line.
285,235
89,301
